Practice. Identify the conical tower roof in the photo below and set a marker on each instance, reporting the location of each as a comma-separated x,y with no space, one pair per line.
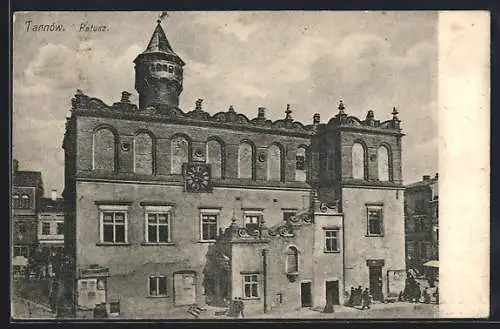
159,45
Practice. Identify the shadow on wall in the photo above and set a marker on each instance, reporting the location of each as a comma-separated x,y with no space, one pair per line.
215,278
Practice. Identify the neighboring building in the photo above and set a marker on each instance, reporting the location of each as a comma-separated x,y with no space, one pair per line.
51,224
422,222
26,193
156,195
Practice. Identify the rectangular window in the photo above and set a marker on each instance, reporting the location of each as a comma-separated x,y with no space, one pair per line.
331,240
158,286
60,228
209,226
287,214
20,251
114,227
250,286
375,221
45,228
300,162
114,223
158,227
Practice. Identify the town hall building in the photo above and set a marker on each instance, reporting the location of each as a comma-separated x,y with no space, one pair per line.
168,207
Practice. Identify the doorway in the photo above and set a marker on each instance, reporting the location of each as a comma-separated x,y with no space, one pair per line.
375,273
332,292
306,294
184,288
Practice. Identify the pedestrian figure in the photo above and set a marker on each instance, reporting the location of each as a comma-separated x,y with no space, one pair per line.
418,293
427,296
365,297
241,307
233,309
100,311
359,292
351,297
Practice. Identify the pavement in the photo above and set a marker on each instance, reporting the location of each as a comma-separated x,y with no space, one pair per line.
376,311
22,309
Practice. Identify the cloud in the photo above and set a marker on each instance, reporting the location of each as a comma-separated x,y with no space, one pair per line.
43,92
228,24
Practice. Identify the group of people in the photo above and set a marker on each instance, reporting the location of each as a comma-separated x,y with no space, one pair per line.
359,297
236,308
414,294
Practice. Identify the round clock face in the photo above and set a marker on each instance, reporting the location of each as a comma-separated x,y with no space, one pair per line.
197,177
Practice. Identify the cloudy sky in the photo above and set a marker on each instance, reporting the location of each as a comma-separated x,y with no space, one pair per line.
371,60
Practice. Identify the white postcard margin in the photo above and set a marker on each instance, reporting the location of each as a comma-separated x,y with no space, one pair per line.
464,163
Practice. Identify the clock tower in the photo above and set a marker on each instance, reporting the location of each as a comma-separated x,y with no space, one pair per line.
158,73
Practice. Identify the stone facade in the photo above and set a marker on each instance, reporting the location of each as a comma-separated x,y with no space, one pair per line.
26,193
51,224
422,222
157,196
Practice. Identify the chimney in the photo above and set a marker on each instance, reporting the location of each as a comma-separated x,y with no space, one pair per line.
426,177
15,165
53,195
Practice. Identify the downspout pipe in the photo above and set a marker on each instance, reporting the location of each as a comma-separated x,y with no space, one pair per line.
264,274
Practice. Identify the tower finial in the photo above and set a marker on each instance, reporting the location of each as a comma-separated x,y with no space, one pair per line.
341,107
395,113
198,104
288,112
161,17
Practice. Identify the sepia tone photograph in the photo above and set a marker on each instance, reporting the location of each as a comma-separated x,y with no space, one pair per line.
225,165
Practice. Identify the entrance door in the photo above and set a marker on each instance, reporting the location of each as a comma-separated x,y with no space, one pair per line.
305,294
375,273
184,289
332,292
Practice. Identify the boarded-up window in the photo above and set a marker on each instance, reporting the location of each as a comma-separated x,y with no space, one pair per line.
274,163
383,163
104,150
358,161
245,160
143,154
214,157
180,154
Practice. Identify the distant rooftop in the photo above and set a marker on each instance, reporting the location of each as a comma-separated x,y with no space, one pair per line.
49,205
27,178
426,181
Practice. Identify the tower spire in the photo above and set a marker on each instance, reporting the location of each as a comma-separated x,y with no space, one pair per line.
158,71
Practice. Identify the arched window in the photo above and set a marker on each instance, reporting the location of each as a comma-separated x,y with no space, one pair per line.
292,260
215,157
15,200
245,160
25,201
180,153
170,69
158,67
143,154
358,161
104,150
301,165
383,163
274,160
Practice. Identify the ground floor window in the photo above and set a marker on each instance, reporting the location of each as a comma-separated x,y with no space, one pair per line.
20,251
158,286
251,286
